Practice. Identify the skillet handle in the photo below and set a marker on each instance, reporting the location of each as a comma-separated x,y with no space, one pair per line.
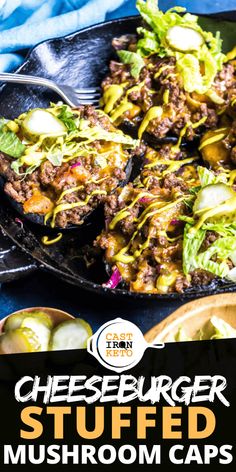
14,264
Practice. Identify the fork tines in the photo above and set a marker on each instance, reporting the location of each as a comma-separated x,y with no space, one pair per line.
88,96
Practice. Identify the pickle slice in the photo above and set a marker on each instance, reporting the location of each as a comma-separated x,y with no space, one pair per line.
71,334
15,321
38,122
42,332
212,195
184,39
18,341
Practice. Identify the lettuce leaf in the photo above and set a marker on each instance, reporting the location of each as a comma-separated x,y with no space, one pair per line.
220,269
148,44
11,144
135,61
222,249
221,228
67,117
189,67
55,156
207,177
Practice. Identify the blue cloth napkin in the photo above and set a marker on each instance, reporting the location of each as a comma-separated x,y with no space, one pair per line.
24,23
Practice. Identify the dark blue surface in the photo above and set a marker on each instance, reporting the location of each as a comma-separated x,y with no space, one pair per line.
41,289
196,6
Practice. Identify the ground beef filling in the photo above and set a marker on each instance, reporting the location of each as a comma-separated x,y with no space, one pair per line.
51,181
49,187
157,244
150,240
158,78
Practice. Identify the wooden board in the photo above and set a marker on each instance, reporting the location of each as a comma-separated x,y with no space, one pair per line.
193,316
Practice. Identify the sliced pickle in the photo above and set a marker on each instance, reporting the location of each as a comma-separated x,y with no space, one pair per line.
18,341
43,317
184,39
15,321
212,195
39,122
71,334
42,332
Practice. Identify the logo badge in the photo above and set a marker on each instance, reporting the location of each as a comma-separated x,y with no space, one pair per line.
119,345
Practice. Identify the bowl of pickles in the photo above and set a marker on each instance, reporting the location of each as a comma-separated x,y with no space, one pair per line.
42,329
204,319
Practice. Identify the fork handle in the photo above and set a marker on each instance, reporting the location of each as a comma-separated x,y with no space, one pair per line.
33,80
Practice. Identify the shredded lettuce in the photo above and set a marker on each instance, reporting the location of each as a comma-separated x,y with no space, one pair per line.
90,134
3,121
189,65
191,246
135,61
16,166
55,156
195,190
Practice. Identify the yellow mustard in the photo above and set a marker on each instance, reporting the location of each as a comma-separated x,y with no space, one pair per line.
152,114
111,95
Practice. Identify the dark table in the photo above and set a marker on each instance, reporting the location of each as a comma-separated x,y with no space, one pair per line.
43,289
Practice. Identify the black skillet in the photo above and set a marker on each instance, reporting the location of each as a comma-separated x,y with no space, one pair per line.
79,59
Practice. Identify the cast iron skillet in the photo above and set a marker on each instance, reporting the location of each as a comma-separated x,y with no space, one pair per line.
79,59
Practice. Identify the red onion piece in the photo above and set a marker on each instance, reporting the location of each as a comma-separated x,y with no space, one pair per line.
107,222
180,171
20,222
77,164
114,280
158,269
145,199
175,222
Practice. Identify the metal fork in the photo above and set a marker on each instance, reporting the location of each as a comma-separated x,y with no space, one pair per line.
73,96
